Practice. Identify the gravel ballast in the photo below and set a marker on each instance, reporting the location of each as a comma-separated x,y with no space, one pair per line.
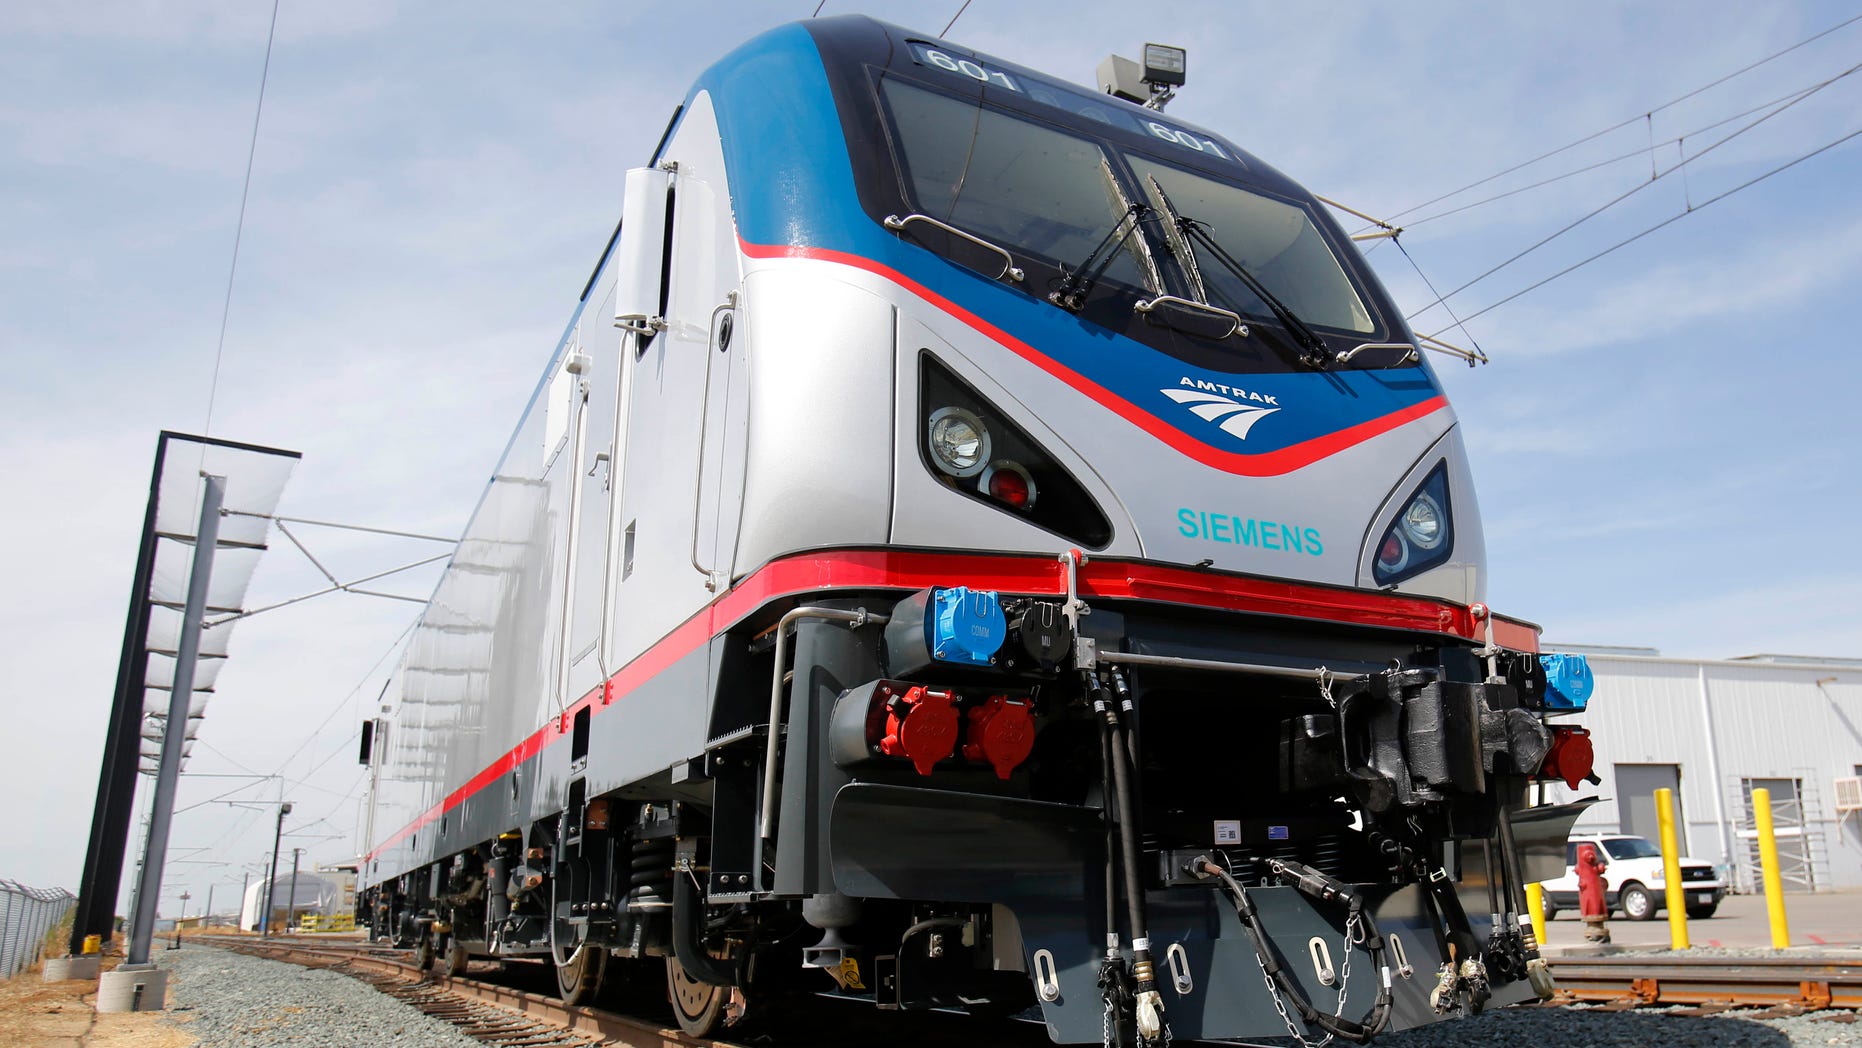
235,1001
238,1001
1591,1028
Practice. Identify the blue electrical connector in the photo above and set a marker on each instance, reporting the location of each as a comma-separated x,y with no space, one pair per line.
965,626
1568,681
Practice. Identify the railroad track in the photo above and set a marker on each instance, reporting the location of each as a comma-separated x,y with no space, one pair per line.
514,1018
1787,985
498,1015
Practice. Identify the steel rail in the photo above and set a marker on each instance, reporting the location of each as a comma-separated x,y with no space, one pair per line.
1630,981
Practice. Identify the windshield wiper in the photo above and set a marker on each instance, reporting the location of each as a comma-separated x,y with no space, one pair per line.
1313,352
1076,285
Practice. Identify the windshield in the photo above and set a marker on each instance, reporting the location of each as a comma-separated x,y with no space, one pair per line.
1026,186
1631,848
1275,241
1037,190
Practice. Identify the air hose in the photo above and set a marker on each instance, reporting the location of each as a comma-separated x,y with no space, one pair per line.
1454,935
1148,1002
1322,889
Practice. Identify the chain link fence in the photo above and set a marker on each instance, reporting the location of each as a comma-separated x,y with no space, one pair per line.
27,916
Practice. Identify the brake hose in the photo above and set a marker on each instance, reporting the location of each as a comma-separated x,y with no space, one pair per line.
1149,1003
1323,889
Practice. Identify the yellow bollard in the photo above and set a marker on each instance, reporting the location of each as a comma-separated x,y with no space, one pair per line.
1768,865
1671,869
1535,905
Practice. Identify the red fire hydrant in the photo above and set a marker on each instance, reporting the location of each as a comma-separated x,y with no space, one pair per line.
1591,885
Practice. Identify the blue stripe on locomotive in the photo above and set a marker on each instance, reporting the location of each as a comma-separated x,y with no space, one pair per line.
792,185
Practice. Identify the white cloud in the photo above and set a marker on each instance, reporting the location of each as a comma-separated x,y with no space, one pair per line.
1816,615
1747,277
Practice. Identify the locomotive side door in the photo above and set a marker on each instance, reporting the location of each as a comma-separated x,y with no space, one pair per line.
603,374
676,266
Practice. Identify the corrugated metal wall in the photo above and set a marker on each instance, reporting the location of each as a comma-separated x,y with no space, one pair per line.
1723,723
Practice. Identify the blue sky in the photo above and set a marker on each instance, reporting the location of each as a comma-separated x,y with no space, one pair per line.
1664,443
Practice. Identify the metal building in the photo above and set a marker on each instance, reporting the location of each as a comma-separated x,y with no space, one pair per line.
292,898
1716,730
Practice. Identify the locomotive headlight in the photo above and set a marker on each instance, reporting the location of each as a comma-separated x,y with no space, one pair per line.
1422,522
1421,537
959,442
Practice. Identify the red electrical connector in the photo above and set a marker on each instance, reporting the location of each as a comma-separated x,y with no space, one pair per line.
1001,733
1570,757
921,726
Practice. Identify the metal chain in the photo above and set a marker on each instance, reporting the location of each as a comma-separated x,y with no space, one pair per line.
1280,1005
1344,988
1344,967
1325,687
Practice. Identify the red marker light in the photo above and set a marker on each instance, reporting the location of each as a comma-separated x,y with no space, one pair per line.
1009,483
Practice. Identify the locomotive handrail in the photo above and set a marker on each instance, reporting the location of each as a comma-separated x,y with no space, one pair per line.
1009,268
1146,305
704,419
1345,356
1132,658
858,617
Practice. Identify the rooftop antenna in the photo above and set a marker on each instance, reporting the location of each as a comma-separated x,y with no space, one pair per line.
1151,84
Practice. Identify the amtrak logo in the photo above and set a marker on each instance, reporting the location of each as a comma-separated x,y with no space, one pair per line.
1234,408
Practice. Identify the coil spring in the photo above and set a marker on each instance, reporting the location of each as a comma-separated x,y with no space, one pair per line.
650,874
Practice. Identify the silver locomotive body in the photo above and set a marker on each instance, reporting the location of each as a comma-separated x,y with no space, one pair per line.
1024,627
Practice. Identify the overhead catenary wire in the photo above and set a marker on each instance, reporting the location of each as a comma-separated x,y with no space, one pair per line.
1625,123
1639,187
1677,140
239,227
1430,284
1625,242
953,18
311,736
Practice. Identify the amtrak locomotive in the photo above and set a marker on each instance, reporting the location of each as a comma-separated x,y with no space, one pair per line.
979,543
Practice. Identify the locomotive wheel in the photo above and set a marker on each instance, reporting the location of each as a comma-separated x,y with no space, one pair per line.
699,1006
578,981
457,959
423,953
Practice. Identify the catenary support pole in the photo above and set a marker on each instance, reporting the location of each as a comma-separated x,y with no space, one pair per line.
271,879
174,733
1768,865
116,779
1671,869
290,904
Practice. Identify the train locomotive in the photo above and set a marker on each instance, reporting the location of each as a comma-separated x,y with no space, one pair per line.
979,543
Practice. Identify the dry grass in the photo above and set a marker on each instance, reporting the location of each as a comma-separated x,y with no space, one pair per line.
38,1014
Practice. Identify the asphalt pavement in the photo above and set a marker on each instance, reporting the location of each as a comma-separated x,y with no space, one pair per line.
1818,922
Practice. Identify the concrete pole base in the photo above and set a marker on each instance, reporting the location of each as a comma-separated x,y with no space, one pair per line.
58,969
133,988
